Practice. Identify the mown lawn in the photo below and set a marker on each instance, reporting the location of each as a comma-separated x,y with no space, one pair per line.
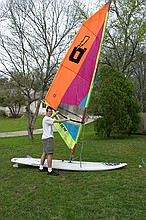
27,194
17,124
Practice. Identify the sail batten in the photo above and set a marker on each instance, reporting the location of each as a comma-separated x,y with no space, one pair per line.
73,84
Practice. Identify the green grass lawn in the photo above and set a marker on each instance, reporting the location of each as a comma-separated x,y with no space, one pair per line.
17,124
27,194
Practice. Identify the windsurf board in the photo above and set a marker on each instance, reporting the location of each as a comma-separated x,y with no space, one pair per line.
70,166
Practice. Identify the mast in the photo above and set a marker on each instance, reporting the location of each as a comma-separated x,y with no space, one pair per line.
92,83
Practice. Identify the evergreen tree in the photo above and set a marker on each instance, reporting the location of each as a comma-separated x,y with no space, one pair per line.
115,101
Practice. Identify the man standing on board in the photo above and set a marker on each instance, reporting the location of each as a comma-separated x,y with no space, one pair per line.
48,139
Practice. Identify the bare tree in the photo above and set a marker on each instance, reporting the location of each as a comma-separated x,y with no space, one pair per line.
11,97
139,77
2,11
124,43
125,33
37,36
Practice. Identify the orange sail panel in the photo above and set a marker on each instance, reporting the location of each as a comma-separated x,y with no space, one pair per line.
73,79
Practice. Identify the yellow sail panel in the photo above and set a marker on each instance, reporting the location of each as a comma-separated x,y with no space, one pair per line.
68,132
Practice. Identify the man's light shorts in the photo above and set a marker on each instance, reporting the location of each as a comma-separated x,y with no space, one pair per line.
48,145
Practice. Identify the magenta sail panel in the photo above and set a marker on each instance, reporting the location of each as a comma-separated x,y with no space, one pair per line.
79,88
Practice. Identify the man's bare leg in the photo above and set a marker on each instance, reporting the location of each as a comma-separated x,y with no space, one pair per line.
50,171
43,157
49,160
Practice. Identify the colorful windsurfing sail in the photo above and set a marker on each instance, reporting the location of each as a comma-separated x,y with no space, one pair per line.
71,89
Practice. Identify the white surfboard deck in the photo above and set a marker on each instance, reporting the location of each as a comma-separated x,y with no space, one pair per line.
72,166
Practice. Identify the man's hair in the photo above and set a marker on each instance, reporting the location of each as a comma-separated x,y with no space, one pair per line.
49,107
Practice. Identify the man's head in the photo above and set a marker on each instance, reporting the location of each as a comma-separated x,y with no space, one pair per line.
49,111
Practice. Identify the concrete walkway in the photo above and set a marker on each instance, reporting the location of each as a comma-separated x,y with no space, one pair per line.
19,133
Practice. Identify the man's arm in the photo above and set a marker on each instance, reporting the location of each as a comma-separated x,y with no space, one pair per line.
61,120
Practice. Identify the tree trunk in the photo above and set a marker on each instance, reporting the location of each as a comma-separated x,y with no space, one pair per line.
30,133
29,116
